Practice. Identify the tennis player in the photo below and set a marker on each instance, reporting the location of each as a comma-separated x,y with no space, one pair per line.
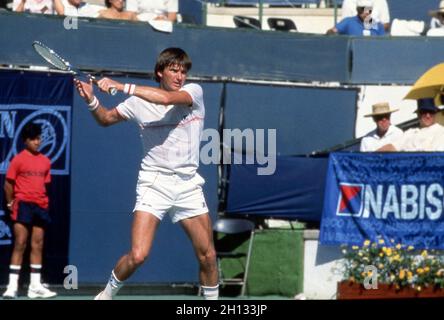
171,119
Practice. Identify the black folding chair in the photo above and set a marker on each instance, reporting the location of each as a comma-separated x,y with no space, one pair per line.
230,226
281,24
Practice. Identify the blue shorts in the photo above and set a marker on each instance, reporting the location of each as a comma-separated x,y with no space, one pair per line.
30,214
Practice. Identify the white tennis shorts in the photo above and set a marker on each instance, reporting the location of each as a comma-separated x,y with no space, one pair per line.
161,193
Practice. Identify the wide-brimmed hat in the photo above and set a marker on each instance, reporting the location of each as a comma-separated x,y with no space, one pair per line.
434,13
380,108
427,104
364,3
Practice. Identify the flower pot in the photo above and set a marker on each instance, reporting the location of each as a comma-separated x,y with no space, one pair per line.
350,290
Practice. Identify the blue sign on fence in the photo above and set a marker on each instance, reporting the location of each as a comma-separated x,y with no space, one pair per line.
391,196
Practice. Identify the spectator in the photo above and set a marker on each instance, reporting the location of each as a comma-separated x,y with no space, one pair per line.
437,21
380,11
385,132
116,11
34,6
154,9
428,137
75,8
361,24
26,195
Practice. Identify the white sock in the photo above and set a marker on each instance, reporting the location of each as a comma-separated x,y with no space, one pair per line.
210,293
14,272
113,285
36,270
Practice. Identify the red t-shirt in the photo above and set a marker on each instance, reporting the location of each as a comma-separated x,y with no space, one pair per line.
30,173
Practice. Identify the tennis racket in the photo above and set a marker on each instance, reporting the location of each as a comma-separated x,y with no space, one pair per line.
59,63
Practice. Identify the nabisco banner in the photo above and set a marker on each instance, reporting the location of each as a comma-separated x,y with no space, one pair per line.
396,196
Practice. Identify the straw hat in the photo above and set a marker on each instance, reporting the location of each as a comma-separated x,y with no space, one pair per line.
434,13
380,108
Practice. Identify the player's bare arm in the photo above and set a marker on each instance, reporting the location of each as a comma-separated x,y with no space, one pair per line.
150,94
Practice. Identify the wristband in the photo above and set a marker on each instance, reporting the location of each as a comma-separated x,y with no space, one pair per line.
9,204
129,88
94,104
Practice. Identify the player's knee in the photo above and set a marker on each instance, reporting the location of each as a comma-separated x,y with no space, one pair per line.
208,259
138,256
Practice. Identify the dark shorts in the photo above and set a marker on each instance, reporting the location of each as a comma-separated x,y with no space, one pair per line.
30,214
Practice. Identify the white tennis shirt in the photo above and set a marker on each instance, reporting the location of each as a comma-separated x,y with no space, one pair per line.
170,134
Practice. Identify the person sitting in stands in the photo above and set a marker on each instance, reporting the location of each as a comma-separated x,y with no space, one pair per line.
428,137
361,24
116,11
380,11
154,9
437,21
34,6
384,133
75,8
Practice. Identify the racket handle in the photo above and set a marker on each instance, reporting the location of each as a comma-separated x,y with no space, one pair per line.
112,91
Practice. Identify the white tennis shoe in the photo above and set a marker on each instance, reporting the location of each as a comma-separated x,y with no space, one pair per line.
10,293
40,291
102,296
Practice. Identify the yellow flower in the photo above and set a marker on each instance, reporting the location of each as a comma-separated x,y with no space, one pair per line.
402,274
397,258
409,275
381,266
355,247
360,254
381,254
398,246
410,248
366,243
381,241
424,253
426,269
384,249
388,252
419,288
420,271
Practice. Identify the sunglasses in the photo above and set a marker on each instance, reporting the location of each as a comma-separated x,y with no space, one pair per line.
381,117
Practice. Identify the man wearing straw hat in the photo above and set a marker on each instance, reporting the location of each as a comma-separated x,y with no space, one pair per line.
384,133
437,22
428,137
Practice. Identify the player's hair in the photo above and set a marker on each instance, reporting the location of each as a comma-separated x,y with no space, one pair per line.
108,3
31,131
172,56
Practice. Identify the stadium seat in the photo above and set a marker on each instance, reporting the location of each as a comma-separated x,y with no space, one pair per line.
281,24
247,22
234,231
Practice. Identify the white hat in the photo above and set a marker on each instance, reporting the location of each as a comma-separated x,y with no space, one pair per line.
434,13
364,3
380,108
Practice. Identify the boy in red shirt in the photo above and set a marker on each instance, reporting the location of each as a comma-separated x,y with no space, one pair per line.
27,200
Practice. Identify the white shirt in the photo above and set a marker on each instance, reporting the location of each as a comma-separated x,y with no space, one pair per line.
150,9
36,6
170,134
380,10
84,10
425,139
372,141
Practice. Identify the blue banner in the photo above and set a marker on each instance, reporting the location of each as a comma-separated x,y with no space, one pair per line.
395,196
45,99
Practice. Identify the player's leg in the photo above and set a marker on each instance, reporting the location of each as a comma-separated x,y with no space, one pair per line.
21,233
199,230
142,234
36,288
